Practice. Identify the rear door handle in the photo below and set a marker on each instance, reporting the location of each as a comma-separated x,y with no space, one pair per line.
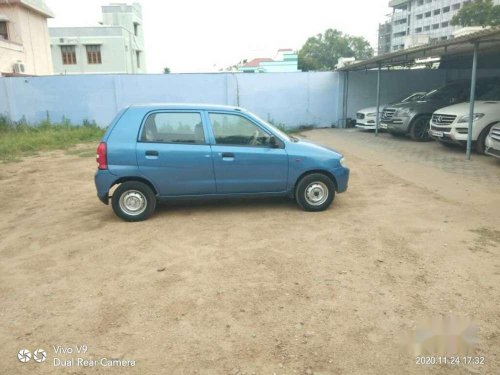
227,155
152,153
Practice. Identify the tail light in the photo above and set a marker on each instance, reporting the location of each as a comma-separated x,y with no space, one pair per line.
102,157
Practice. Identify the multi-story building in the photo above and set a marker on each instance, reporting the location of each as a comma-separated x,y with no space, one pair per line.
24,38
415,22
384,37
116,46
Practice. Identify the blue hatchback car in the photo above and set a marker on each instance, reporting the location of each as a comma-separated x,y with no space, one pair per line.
186,151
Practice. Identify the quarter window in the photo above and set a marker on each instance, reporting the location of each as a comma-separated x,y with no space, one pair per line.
237,130
173,127
94,54
68,55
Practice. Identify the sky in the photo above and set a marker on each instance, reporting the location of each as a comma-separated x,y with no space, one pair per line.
208,35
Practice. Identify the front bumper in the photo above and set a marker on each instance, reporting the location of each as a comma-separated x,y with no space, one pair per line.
342,178
398,124
451,134
492,147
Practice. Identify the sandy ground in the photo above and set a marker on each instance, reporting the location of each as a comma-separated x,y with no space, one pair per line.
254,287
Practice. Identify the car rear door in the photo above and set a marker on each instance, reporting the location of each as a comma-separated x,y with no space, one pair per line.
173,153
244,161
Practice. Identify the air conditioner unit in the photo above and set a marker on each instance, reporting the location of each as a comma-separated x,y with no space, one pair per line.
19,67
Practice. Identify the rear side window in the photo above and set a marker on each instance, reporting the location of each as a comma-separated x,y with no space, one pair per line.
237,130
173,127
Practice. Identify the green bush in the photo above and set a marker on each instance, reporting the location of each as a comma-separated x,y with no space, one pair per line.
18,138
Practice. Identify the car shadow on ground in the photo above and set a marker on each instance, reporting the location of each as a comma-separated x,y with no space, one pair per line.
225,205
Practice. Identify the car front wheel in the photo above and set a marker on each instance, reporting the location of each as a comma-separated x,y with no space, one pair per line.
133,201
419,129
315,192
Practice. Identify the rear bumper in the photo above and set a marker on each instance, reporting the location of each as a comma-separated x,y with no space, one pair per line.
103,181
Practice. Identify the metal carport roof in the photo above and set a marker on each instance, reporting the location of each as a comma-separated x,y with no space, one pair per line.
488,39
484,42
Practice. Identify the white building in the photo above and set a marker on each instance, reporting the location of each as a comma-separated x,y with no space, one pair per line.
116,46
24,38
415,22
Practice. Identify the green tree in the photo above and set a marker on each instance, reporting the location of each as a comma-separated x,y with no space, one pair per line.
166,70
478,13
321,52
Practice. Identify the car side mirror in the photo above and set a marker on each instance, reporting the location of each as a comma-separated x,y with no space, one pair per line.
273,142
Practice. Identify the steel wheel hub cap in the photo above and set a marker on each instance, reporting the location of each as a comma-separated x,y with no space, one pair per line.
133,202
316,193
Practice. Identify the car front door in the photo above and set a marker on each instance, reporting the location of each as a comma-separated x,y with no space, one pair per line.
173,153
244,160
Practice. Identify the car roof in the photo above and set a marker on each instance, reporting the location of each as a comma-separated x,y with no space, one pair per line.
186,106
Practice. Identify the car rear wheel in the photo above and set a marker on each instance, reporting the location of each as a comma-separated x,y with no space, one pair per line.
133,201
315,192
419,129
480,145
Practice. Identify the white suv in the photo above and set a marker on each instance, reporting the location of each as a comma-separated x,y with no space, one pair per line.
450,124
493,142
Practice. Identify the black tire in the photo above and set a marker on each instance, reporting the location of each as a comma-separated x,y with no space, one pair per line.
480,145
139,194
306,184
419,128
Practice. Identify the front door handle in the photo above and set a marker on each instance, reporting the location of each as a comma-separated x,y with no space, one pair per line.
227,155
152,153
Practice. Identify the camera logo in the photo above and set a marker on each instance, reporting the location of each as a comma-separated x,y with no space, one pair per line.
39,355
24,355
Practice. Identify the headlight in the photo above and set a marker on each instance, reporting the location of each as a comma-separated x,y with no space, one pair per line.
465,118
371,114
403,112
342,162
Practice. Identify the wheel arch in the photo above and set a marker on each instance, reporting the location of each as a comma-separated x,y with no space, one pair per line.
121,180
312,171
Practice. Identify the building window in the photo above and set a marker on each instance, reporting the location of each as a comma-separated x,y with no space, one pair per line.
427,28
435,26
418,30
94,54
446,9
4,34
437,11
138,56
445,24
456,6
428,14
420,2
420,16
68,55
136,29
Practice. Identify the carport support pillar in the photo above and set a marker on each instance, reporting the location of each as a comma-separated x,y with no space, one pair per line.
377,124
472,99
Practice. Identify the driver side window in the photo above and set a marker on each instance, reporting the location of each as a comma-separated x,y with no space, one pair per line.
237,131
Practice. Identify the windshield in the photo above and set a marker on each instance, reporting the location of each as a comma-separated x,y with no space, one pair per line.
413,97
282,134
493,94
446,92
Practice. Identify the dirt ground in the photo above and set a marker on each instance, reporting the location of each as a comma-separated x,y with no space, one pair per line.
252,287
